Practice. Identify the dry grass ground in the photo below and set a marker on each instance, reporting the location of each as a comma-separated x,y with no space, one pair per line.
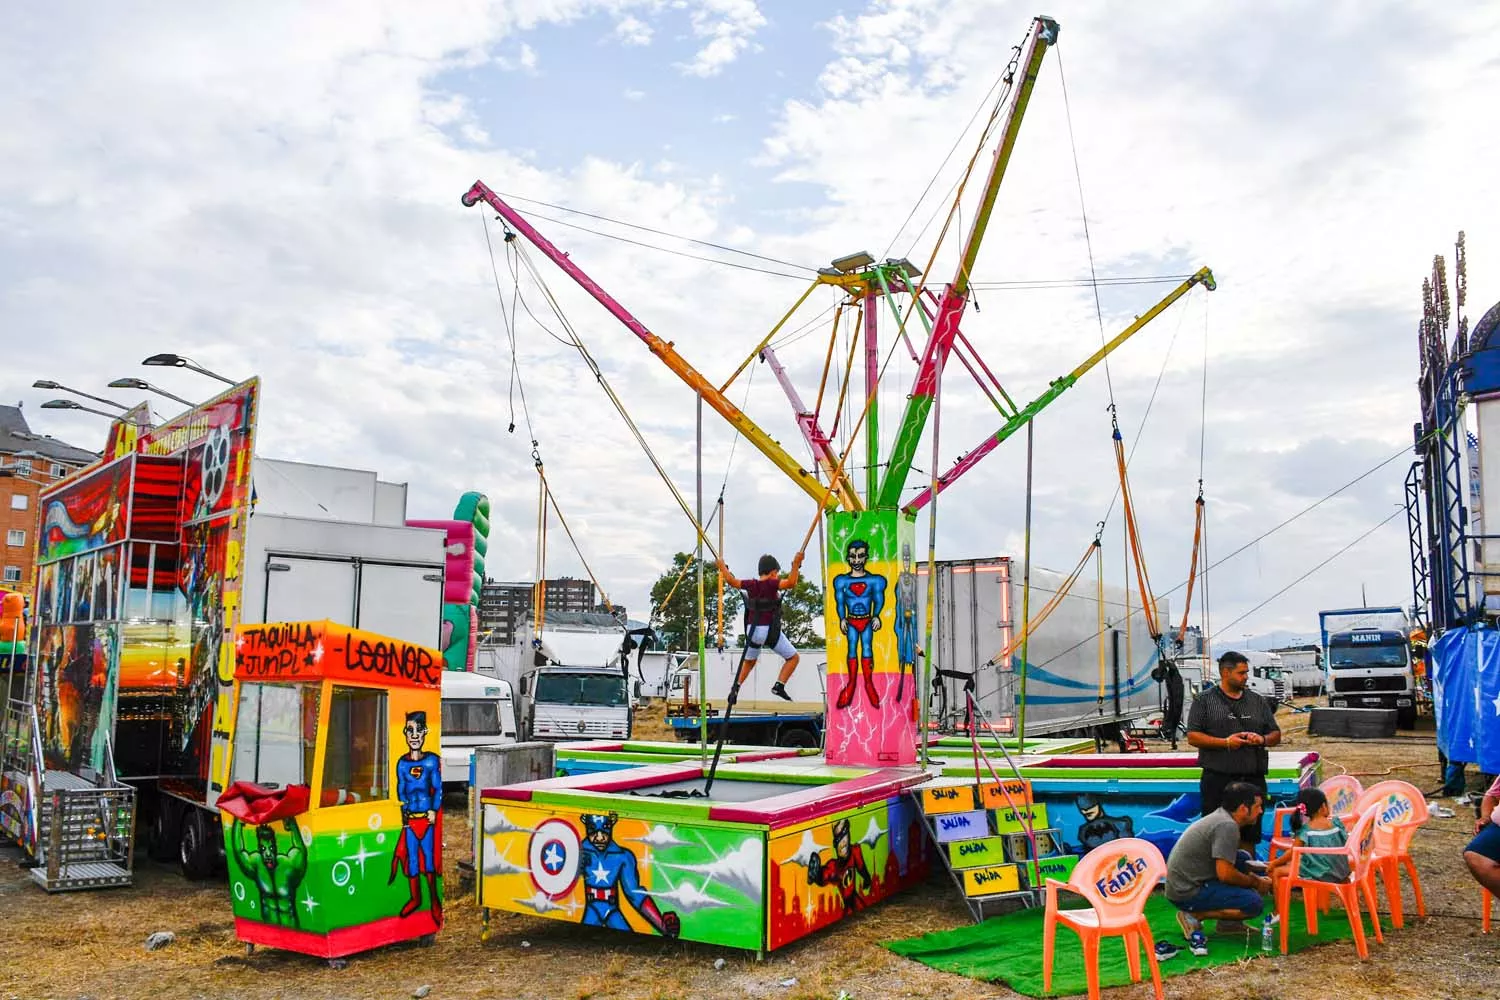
91,944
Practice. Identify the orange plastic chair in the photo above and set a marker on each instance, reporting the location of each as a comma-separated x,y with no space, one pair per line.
1401,811
1115,879
1281,832
1360,852
1343,794
1486,899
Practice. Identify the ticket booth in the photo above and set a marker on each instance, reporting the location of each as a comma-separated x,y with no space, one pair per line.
333,831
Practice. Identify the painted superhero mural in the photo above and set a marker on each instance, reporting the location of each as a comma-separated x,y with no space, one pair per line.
419,787
822,872
611,880
672,879
872,629
276,872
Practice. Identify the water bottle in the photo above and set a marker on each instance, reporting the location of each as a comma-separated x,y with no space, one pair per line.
1265,933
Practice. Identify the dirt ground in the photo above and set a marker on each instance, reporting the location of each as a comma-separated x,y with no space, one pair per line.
91,945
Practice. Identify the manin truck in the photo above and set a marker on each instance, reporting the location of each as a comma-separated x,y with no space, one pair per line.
146,563
572,675
1368,657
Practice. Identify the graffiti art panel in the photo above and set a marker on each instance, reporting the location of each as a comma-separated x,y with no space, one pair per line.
85,513
77,681
603,869
841,864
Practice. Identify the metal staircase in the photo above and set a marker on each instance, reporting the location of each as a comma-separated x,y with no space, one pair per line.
989,832
79,831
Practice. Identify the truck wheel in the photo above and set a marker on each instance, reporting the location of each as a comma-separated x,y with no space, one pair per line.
1406,718
797,738
196,852
162,832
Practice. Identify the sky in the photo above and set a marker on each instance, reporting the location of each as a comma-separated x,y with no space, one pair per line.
274,189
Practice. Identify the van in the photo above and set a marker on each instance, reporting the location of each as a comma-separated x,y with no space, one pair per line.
478,711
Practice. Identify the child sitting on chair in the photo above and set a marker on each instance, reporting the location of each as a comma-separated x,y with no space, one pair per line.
1314,825
763,618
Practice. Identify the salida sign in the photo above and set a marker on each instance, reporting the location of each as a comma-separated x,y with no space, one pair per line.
313,651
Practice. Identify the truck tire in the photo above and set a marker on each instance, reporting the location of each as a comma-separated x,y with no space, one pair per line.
196,851
1406,718
802,738
162,834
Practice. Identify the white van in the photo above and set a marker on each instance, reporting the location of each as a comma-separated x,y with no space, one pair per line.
478,711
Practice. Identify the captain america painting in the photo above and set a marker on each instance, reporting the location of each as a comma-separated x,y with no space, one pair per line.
610,878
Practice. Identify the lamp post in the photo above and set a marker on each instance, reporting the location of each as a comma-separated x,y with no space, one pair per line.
68,404
140,383
42,383
178,361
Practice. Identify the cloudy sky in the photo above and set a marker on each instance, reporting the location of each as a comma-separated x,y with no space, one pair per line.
274,189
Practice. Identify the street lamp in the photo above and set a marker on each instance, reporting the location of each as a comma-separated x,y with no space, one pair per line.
178,361
68,404
42,383
140,383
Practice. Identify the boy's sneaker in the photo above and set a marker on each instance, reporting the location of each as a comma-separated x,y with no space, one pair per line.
1165,950
1190,924
1198,944
779,690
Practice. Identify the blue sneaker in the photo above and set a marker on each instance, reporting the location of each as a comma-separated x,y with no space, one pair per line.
1198,944
1165,950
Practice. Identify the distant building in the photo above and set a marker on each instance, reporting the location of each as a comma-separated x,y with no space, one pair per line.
29,463
505,607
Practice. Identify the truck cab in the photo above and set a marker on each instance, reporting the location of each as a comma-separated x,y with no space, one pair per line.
1371,668
478,711
572,703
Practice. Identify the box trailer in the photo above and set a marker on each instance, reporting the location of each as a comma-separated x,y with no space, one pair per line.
1078,679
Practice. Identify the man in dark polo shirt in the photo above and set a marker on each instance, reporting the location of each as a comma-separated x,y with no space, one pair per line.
1232,727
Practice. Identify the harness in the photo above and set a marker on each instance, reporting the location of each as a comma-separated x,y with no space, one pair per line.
757,606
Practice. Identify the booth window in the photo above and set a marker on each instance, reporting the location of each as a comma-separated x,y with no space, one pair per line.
356,769
276,734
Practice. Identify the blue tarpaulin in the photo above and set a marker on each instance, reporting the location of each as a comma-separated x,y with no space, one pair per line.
1466,695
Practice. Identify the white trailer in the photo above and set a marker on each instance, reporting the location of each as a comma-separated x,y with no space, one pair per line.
1078,680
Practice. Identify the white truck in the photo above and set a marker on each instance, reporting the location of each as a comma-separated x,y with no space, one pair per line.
1368,657
1070,688
571,682
478,711
1302,669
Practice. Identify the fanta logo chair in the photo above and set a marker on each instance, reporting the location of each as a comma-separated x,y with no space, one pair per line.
1343,794
1281,832
1359,850
1400,811
1115,879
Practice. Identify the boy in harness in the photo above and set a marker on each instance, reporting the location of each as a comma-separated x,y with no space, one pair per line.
763,618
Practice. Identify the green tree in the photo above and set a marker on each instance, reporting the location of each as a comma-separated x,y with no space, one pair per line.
802,614
676,617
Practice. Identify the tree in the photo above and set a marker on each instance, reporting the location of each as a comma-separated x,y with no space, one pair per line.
802,614
677,617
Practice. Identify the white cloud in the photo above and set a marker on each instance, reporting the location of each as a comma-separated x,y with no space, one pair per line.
278,193
633,95
729,27
632,30
524,60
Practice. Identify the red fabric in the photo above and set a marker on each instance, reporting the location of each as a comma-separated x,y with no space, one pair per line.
251,803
